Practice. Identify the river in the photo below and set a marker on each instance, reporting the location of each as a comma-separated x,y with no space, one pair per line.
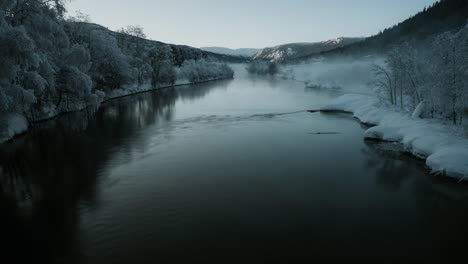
229,172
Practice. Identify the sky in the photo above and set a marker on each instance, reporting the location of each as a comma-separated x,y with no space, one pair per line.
249,23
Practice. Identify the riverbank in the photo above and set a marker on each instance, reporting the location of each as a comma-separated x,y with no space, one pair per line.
17,124
443,147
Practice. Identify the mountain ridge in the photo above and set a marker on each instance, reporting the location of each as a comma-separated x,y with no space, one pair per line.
242,52
442,16
291,51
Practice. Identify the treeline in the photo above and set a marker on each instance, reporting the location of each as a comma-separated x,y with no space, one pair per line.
50,64
433,76
441,16
262,67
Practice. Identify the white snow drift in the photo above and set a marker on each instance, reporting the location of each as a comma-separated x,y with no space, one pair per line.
443,146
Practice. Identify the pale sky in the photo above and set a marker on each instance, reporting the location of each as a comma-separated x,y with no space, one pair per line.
249,23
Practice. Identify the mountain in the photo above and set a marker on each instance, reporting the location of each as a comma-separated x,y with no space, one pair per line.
180,52
294,51
445,15
232,52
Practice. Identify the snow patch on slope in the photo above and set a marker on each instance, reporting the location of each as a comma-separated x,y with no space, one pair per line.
334,41
275,54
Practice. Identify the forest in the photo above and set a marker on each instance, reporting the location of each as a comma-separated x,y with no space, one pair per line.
432,78
441,16
53,64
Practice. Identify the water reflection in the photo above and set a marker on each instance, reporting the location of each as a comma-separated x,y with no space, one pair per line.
47,175
438,228
391,166
52,175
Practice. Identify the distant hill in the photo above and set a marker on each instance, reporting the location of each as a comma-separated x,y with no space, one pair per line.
445,15
248,53
294,51
181,52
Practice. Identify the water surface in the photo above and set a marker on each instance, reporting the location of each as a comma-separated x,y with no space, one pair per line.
227,172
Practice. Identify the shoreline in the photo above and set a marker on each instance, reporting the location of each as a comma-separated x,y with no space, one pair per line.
442,147
163,88
106,99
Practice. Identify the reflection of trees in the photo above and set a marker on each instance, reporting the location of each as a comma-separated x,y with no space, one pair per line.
196,91
440,204
391,167
48,174
442,209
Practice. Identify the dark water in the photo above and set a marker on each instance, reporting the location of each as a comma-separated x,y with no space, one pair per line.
224,172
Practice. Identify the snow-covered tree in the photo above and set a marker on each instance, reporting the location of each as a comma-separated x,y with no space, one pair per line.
73,86
18,55
133,30
161,61
49,64
263,68
436,75
205,70
79,57
110,68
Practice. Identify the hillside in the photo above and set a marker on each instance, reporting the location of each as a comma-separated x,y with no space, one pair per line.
445,15
180,52
293,51
51,65
245,52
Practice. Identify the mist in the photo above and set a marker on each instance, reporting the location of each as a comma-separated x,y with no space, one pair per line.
346,74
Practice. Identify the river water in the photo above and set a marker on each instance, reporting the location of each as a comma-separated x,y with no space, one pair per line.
227,172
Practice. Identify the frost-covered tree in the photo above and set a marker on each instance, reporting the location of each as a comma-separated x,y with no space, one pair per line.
161,61
49,64
383,82
133,30
110,69
79,57
73,82
79,17
73,87
263,68
205,70
435,75
18,55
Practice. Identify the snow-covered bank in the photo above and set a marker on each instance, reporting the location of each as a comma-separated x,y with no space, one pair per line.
13,125
444,147
136,89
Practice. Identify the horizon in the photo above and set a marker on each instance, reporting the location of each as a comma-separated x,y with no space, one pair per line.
278,22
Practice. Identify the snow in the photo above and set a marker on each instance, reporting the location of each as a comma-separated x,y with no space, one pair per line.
276,55
418,112
451,161
290,52
386,133
335,41
443,146
15,124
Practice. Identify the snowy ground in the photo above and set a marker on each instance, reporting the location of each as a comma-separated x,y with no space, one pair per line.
12,124
444,147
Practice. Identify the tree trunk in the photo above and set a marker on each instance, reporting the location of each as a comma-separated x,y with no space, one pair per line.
401,93
454,112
